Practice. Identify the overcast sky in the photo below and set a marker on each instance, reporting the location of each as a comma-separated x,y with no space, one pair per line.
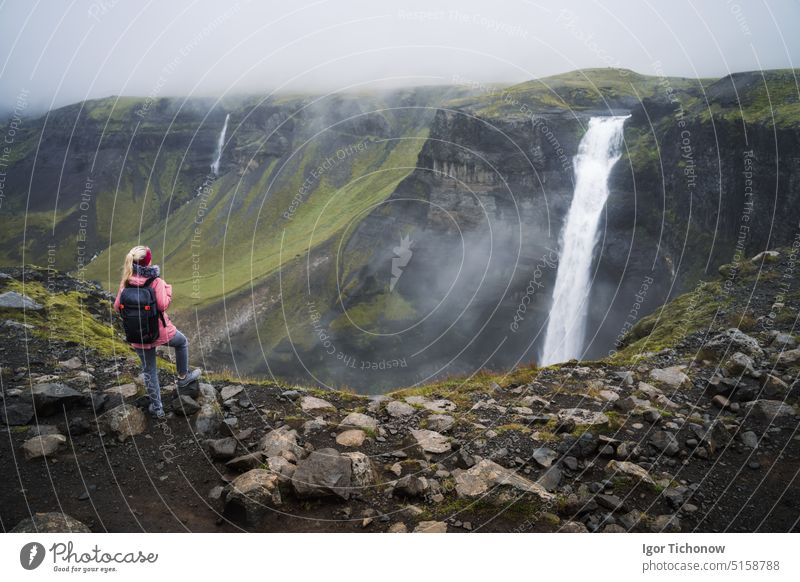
59,51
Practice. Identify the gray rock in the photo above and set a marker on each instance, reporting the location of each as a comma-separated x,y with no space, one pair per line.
551,479
209,420
52,398
769,410
739,364
582,417
282,439
50,523
324,472
431,441
17,413
411,486
230,391
359,420
750,439
313,405
43,446
544,456
431,527
73,363
362,474
222,449
14,300
665,442
666,524
731,340
246,462
674,377
486,475
282,468
629,469
398,409
251,494
123,422
440,422
185,406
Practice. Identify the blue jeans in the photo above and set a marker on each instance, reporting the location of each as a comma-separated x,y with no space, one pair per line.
150,367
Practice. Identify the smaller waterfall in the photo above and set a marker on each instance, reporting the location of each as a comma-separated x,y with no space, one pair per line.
220,145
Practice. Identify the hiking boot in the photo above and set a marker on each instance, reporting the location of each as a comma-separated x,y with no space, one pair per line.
156,413
192,376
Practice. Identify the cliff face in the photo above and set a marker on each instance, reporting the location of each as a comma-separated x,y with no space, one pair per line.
697,186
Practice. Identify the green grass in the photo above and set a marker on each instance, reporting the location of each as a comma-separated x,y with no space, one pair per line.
576,90
65,319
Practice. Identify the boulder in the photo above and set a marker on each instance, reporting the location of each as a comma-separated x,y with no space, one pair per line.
14,300
766,256
630,470
283,468
185,405
789,357
43,445
431,441
439,406
440,422
485,475
323,473
246,462
411,486
544,456
313,405
17,413
362,474
398,409
230,391
358,420
674,377
581,417
52,398
50,523
251,494
124,390
665,442
769,410
222,449
123,421
739,364
731,340
351,438
209,420
73,363
280,440
431,527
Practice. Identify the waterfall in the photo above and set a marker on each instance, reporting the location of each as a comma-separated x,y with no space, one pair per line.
220,145
598,151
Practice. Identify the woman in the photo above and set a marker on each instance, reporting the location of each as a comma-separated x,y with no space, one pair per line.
135,272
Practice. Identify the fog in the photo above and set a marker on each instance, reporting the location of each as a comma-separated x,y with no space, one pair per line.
55,53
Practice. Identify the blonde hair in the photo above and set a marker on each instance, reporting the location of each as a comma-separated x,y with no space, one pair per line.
135,254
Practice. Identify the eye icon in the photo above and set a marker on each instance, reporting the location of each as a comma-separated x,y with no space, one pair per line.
31,555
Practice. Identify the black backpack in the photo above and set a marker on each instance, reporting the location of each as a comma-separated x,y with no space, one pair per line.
140,314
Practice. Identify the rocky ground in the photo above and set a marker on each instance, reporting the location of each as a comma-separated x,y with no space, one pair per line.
697,436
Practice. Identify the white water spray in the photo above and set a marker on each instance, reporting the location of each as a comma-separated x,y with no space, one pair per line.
220,145
598,151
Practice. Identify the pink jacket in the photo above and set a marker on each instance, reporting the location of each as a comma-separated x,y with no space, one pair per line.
163,298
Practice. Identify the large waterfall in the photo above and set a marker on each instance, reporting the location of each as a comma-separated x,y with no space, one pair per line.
220,145
598,151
